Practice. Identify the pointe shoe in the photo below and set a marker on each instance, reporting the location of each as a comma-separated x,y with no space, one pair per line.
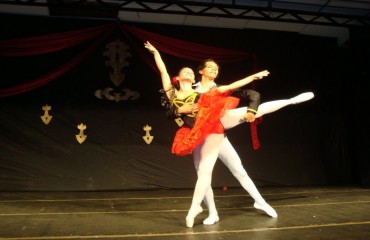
191,216
266,208
211,219
302,97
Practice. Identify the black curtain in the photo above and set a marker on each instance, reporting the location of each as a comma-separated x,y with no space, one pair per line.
313,143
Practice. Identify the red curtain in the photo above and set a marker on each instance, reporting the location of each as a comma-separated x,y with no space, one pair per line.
49,43
30,46
186,49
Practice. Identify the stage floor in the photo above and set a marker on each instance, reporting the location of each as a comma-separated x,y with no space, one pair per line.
325,212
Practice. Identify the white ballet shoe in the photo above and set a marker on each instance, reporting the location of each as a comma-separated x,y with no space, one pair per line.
192,214
211,219
302,97
266,208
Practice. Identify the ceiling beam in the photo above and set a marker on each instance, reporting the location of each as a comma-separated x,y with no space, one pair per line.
274,11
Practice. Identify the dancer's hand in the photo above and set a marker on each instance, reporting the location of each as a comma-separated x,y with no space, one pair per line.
150,47
249,117
188,108
260,75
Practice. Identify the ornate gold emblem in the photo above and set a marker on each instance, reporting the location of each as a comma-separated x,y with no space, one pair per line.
46,118
147,138
117,53
81,137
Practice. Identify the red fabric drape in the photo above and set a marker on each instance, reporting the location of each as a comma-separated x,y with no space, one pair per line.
27,86
38,45
179,48
186,49
49,43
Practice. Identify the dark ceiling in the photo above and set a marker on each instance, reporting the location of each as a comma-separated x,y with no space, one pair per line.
327,18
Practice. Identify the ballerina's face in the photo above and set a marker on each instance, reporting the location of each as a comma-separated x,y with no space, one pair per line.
186,74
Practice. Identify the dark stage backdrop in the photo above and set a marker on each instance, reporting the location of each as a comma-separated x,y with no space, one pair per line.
307,144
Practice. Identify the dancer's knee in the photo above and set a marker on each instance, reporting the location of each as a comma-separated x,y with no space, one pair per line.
203,172
240,173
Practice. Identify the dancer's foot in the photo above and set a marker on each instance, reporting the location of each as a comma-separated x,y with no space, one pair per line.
302,97
192,214
266,208
211,219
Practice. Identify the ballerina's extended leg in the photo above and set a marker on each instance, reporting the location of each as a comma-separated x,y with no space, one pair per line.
234,117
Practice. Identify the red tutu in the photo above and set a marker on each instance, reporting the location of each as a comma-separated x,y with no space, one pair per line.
212,106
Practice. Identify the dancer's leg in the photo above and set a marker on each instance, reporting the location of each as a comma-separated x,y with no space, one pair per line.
209,197
269,107
208,157
231,159
234,117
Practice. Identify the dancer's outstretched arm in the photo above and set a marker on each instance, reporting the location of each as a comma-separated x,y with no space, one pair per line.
166,81
242,82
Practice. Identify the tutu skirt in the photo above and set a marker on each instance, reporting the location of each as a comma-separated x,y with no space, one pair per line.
212,106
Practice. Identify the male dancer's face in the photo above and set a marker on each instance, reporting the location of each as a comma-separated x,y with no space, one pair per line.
210,71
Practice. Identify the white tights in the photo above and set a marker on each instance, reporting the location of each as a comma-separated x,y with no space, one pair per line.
218,146
233,117
231,159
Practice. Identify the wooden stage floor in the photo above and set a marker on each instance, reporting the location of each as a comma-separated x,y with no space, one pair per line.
326,212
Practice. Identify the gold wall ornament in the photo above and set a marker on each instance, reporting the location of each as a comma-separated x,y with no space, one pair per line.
117,53
46,118
81,137
114,95
147,138
179,121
